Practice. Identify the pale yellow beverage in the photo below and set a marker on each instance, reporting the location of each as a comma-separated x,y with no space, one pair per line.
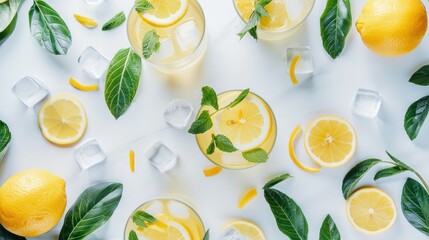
249,125
182,36
286,16
176,220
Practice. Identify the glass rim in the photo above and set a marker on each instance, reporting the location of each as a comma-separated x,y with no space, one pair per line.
269,151
203,37
280,30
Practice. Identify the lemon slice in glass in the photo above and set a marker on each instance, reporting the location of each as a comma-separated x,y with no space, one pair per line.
165,12
276,9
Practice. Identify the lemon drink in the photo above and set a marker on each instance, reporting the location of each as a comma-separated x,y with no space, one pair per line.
249,125
181,27
175,220
286,16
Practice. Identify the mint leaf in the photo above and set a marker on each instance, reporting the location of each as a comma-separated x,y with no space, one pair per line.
211,148
240,98
415,205
122,81
355,174
142,6
133,235
114,22
8,11
207,235
141,218
255,18
329,230
416,116
421,77
256,155
151,43
224,144
209,97
276,180
202,124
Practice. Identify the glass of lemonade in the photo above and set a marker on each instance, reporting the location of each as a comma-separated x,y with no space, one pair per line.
176,220
251,124
286,16
181,27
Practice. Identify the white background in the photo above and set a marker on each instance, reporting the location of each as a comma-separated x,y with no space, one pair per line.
230,64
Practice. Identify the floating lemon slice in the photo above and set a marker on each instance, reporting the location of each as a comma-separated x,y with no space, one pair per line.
62,120
174,230
165,12
330,141
246,229
371,211
85,21
276,9
292,155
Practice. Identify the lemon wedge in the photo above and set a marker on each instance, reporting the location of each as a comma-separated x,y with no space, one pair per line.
247,197
85,21
208,172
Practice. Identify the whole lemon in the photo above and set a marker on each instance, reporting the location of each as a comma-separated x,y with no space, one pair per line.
32,202
392,27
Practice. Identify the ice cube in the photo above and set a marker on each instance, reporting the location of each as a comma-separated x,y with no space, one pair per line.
178,210
89,154
367,103
94,1
155,207
93,63
305,62
166,50
30,91
162,156
178,113
232,234
188,35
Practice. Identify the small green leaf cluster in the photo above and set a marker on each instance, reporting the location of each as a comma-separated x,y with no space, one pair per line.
252,25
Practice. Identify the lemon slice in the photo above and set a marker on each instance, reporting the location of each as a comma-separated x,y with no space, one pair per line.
292,74
330,141
248,196
247,125
371,211
292,155
246,229
165,12
174,231
208,172
276,9
85,21
62,120
83,87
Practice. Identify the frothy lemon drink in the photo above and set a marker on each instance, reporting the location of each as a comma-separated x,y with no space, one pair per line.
249,125
164,219
180,25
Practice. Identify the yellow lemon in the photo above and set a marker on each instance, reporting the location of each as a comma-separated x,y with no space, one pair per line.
246,229
165,12
276,9
85,21
392,27
32,202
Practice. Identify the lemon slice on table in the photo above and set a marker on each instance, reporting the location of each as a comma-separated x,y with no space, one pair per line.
330,141
247,125
173,231
246,229
370,210
85,21
276,9
165,12
62,119
292,154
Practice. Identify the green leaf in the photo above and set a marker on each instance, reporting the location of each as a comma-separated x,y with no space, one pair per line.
289,216
141,218
388,172
335,24
329,230
255,18
133,235
49,29
5,136
142,6
240,98
355,174
9,30
151,43
207,235
399,162
211,148
8,12
276,180
256,155
415,205
421,77
416,116
122,81
202,124
224,144
92,209
114,22
6,235
209,97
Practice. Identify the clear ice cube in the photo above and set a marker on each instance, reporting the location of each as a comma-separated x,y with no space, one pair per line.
94,1
30,91
177,209
232,234
188,35
305,62
367,103
155,208
93,63
162,157
166,50
89,154
178,113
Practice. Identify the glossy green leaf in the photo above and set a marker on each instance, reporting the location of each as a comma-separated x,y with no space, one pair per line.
256,155
355,174
335,24
329,230
122,81
9,30
289,217
49,29
8,11
421,77
240,98
276,180
209,97
415,205
224,144
416,116
92,209
5,135
114,22
388,172
399,162
151,43
6,235
202,124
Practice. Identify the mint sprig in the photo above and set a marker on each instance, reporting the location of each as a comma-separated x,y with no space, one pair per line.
133,235
142,6
222,143
151,43
252,25
142,218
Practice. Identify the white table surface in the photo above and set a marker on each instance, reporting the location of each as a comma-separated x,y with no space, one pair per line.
230,64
